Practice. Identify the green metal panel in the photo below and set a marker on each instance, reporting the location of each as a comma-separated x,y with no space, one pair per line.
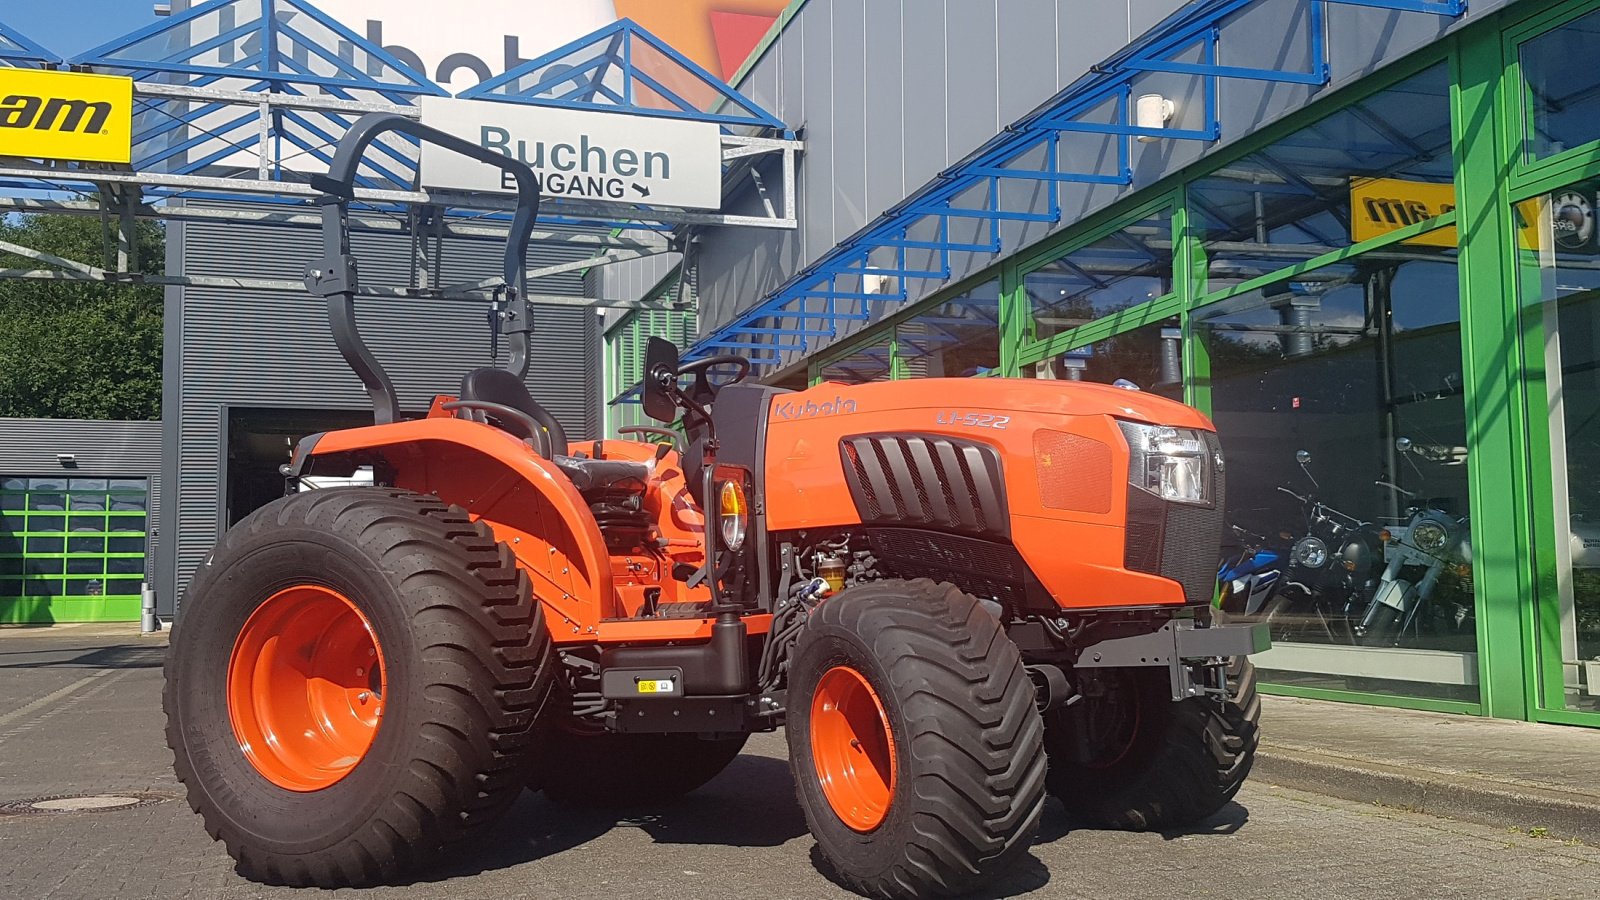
71,554
1495,419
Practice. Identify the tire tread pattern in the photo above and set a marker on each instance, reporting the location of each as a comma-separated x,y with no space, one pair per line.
483,641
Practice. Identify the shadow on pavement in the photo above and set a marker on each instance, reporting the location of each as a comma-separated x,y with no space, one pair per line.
128,656
1057,823
751,804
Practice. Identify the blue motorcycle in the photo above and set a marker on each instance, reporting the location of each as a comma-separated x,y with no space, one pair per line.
1248,579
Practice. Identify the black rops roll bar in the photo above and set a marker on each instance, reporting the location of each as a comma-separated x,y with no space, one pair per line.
335,276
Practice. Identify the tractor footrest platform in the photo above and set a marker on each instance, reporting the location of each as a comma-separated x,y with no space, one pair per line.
700,715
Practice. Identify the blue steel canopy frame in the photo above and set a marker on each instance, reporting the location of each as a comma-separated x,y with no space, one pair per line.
814,300
599,72
230,91
19,51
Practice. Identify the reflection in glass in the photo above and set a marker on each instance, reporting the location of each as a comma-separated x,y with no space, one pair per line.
1359,365
1560,285
1562,88
870,363
1150,357
1124,269
956,339
1295,199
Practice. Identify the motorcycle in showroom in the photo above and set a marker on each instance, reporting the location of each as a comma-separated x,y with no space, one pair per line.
1430,548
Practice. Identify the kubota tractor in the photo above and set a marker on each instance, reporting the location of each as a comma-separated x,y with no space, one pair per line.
957,596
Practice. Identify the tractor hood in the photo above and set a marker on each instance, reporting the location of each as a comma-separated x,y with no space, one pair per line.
965,402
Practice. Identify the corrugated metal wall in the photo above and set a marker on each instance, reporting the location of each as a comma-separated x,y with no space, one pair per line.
252,349
891,92
101,449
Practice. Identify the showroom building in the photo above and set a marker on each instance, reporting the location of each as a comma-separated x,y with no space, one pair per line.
1360,235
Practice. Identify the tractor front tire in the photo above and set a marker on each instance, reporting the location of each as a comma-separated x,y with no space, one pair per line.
353,684
617,771
916,748
1158,763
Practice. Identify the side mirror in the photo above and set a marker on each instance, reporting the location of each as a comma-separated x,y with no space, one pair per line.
1303,457
660,372
1403,444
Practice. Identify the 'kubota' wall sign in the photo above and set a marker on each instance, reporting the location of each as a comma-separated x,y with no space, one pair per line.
579,154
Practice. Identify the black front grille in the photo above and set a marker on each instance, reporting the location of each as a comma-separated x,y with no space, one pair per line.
1180,541
927,481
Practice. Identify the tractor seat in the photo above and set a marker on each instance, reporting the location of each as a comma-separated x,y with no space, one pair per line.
492,385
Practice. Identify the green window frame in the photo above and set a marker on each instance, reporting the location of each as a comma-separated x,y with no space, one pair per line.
82,585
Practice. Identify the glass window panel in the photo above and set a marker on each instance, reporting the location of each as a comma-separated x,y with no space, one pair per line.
14,523
90,587
125,565
125,545
958,338
86,565
1359,364
88,523
10,543
1297,198
86,545
870,363
1562,88
47,501
128,502
13,500
87,502
1560,285
10,587
127,484
1122,270
41,587
86,484
10,566
1149,357
42,566
13,484
123,587
47,484
125,523
38,523
46,545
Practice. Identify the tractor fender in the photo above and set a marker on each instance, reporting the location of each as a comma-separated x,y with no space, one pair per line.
527,501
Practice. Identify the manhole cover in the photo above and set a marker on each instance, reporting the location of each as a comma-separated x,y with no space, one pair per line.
78,803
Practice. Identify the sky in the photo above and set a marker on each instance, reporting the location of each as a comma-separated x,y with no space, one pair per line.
86,24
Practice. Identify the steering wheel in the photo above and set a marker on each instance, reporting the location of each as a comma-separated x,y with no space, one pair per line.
703,391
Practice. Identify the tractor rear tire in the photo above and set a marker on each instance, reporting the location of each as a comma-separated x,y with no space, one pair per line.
916,747
313,767
618,771
1179,763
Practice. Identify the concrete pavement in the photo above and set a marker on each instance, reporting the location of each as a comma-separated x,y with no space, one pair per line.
79,714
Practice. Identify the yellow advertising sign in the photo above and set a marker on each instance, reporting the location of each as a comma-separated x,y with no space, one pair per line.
1379,206
66,115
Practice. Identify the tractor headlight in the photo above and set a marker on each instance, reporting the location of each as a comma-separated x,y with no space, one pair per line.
1430,536
733,514
1172,463
1310,552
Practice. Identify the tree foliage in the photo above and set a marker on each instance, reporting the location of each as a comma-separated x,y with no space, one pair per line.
79,350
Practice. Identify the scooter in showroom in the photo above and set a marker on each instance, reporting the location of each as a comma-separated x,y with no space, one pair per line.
1430,546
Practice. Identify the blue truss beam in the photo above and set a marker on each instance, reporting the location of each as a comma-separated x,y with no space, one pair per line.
17,49
268,25
613,49
1171,49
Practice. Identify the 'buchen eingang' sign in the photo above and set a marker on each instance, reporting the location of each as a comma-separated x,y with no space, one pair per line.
579,154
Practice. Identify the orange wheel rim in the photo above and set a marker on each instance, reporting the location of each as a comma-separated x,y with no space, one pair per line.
853,748
306,687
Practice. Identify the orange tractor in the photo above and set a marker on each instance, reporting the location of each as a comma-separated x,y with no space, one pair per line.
956,595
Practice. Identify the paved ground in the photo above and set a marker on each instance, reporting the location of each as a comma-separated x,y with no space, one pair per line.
79,714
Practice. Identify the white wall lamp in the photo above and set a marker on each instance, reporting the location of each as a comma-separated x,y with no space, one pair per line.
67,460
1152,111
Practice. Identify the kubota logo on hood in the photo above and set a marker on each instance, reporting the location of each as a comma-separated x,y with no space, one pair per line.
790,409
